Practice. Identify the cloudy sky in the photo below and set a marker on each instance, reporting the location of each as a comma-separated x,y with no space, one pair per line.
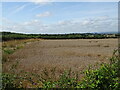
59,17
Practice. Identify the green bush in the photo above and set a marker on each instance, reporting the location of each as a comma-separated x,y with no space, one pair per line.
106,77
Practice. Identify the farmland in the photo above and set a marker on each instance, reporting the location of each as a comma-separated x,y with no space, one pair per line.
27,58
55,45
63,54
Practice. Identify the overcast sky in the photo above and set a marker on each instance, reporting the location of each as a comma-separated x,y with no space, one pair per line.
59,17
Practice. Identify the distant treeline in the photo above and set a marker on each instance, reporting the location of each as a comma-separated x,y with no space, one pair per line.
11,36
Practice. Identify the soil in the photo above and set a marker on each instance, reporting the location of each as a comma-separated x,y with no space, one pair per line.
76,54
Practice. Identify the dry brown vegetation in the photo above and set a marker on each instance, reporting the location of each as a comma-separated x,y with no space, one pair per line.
44,56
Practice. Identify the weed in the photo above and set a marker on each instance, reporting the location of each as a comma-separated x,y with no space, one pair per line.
8,51
107,76
8,81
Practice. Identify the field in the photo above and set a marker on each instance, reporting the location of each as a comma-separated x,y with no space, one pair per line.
60,63
62,54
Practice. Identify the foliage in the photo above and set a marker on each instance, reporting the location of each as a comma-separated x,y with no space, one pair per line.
13,36
67,80
8,81
106,77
